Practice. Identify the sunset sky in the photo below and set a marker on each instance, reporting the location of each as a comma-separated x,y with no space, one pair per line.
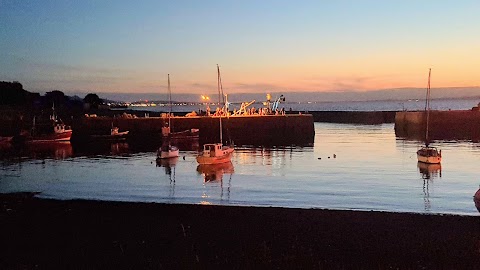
267,45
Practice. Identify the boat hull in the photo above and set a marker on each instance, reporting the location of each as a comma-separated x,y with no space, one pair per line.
429,155
168,152
54,137
204,160
429,159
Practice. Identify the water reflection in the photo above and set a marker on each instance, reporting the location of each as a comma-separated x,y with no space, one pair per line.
102,148
54,150
429,171
168,164
215,172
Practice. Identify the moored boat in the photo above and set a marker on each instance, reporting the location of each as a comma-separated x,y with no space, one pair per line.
428,154
60,133
216,153
167,151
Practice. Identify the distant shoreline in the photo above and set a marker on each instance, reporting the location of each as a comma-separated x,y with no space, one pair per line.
43,233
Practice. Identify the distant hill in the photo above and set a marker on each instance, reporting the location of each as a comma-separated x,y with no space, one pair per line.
385,94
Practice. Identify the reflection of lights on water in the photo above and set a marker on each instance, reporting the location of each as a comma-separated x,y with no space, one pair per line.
205,196
205,203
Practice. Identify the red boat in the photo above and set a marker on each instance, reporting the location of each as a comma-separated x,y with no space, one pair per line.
60,133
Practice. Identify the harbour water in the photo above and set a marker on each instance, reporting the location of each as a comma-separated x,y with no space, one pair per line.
361,167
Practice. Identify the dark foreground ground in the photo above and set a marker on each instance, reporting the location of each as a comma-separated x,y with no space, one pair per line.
48,234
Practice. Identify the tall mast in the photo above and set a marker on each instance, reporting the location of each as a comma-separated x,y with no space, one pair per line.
427,105
218,86
169,102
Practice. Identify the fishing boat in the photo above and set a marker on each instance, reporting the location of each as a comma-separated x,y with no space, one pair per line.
216,153
53,130
167,150
428,154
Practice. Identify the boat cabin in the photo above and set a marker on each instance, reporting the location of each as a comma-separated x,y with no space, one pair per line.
59,128
430,152
213,150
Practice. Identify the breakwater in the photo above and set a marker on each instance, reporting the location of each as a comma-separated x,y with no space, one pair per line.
271,130
443,125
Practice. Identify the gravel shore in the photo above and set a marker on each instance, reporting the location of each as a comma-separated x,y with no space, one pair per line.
46,234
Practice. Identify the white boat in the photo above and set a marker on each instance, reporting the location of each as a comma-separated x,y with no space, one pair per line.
428,154
216,153
167,150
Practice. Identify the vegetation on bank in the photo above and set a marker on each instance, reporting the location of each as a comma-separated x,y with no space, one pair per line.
18,106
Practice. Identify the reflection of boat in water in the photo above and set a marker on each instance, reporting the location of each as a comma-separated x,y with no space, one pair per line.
171,162
55,150
168,164
429,171
114,135
215,172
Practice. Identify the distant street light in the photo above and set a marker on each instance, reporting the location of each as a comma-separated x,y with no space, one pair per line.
205,100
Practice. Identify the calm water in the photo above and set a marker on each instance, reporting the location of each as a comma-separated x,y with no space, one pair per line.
371,170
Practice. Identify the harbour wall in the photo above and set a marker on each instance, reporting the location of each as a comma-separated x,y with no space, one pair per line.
271,130
443,125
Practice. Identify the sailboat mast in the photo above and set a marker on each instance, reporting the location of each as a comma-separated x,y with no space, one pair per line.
428,106
169,102
218,86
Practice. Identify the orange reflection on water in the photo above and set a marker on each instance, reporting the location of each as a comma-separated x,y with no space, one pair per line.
214,172
55,150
